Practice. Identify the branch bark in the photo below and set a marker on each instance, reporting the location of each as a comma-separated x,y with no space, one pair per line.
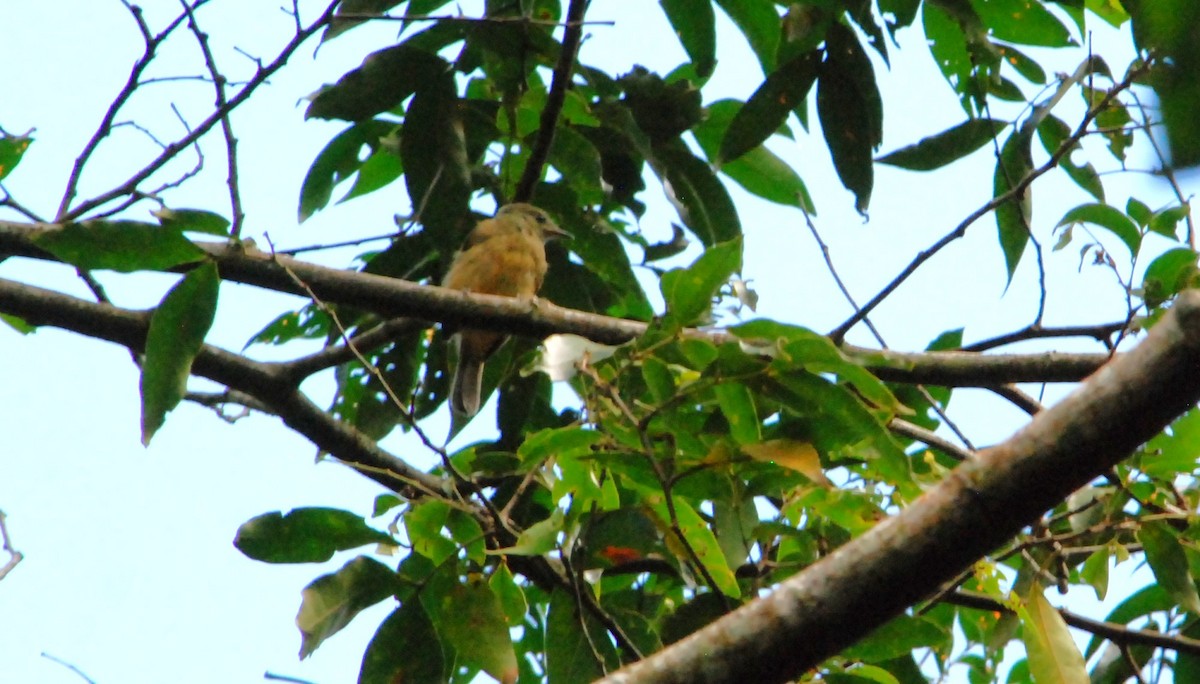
394,298
982,503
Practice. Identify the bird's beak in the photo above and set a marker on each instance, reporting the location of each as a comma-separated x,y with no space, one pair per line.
552,231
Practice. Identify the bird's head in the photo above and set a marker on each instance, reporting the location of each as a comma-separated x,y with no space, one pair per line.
529,218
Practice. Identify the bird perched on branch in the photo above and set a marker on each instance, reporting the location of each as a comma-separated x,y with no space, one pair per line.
504,255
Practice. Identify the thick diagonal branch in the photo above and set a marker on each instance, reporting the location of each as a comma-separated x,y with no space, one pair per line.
980,505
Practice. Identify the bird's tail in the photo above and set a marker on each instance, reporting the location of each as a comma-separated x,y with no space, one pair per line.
467,386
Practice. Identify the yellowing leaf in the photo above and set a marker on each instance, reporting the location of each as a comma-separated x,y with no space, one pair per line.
1053,656
792,454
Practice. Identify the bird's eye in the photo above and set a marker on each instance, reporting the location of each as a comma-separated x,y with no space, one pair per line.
540,218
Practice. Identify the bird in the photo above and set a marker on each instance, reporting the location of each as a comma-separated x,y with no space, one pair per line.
504,255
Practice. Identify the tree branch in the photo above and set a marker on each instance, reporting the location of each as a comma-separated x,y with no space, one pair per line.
1117,634
548,123
266,382
982,503
395,298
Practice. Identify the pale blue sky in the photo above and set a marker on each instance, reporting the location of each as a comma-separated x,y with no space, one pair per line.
130,573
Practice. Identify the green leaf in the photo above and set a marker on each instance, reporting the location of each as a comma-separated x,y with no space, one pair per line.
124,246
1026,22
1107,217
578,160
759,171
1013,216
424,523
570,651
378,171
660,109
1053,656
434,153
691,616
802,348
1053,132
737,404
839,425
659,380
18,324
1165,27
567,441
1168,275
176,334
899,637
512,598
384,80
695,25
1095,572
471,619
948,146
466,530
702,540
1169,563
331,601
12,148
759,23
701,200
769,106
1166,222
193,220
305,535
340,159
537,539
851,112
340,25
402,650
689,292
1109,10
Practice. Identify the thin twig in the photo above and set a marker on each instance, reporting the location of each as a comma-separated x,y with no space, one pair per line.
14,556
838,333
540,151
1101,332
219,84
66,213
920,434
1118,634
458,18
69,666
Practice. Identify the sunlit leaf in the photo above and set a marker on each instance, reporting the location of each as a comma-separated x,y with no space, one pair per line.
1053,656
792,454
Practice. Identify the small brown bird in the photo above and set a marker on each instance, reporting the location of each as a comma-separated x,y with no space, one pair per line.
505,255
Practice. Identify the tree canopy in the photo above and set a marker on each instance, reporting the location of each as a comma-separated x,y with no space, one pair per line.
709,494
